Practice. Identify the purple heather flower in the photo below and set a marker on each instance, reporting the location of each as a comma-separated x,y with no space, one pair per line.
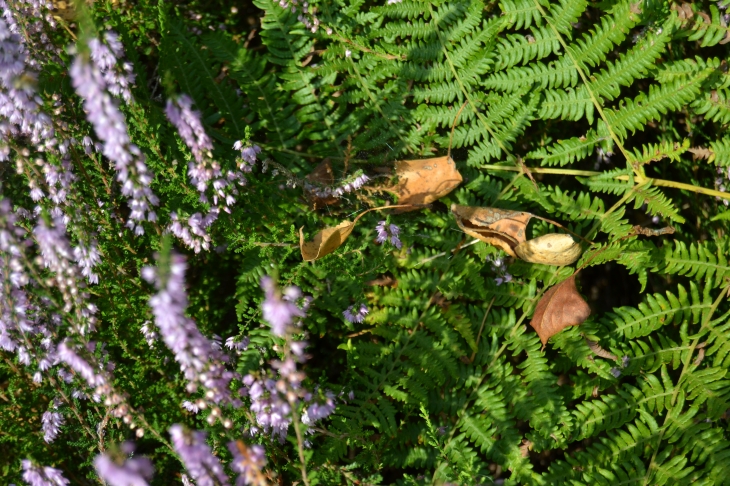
20,107
318,411
272,410
118,79
149,333
69,356
88,257
190,128
134,471
388,231
249,154
192,230
190,406
247,463
615,372
279,311
241,345
503,279
91,84
51,423
201,361
358,315
624,361
201,464
42,476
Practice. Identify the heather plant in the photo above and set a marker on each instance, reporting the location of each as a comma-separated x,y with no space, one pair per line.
396,242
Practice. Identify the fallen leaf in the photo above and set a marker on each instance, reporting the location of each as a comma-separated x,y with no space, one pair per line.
330,239
598,350
550,249
426,180
325,242
560,307
502,228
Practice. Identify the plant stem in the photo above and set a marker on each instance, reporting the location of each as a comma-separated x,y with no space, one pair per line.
591,173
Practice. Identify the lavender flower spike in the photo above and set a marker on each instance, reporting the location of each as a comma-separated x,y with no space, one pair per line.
110,126
42,476
134,471
52,421
187,121
278,310
201,360
197,457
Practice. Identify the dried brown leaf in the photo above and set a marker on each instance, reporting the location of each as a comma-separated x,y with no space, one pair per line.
701,153
598,350
550,249
325,242
330,239
560,307
502,228
426,180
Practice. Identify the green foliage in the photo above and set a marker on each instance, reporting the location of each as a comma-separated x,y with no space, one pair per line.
610,118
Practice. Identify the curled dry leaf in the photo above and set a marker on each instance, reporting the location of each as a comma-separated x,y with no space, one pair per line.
330,239
560,307
550,249
502,228
426,180
325,242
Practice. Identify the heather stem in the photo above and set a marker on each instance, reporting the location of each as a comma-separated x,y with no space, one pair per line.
300,441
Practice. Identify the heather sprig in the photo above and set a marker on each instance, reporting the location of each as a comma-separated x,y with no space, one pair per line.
120,469
201,360
277,393
35,475
248,462
90,76
388,233
215,188
21,113
199,461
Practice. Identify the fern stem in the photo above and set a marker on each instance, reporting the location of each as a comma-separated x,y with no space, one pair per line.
583,77
685,371
375,103
678,185
639,179
444,43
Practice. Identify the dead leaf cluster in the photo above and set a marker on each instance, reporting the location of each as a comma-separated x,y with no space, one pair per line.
506,229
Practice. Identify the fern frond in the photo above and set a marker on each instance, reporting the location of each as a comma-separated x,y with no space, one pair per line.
706,261
591,49
571,104
612,411
566,152
633,65
711,386
658,311
714,106
515,49
709,29
721,152
654,152
656,202
520,14
634,114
